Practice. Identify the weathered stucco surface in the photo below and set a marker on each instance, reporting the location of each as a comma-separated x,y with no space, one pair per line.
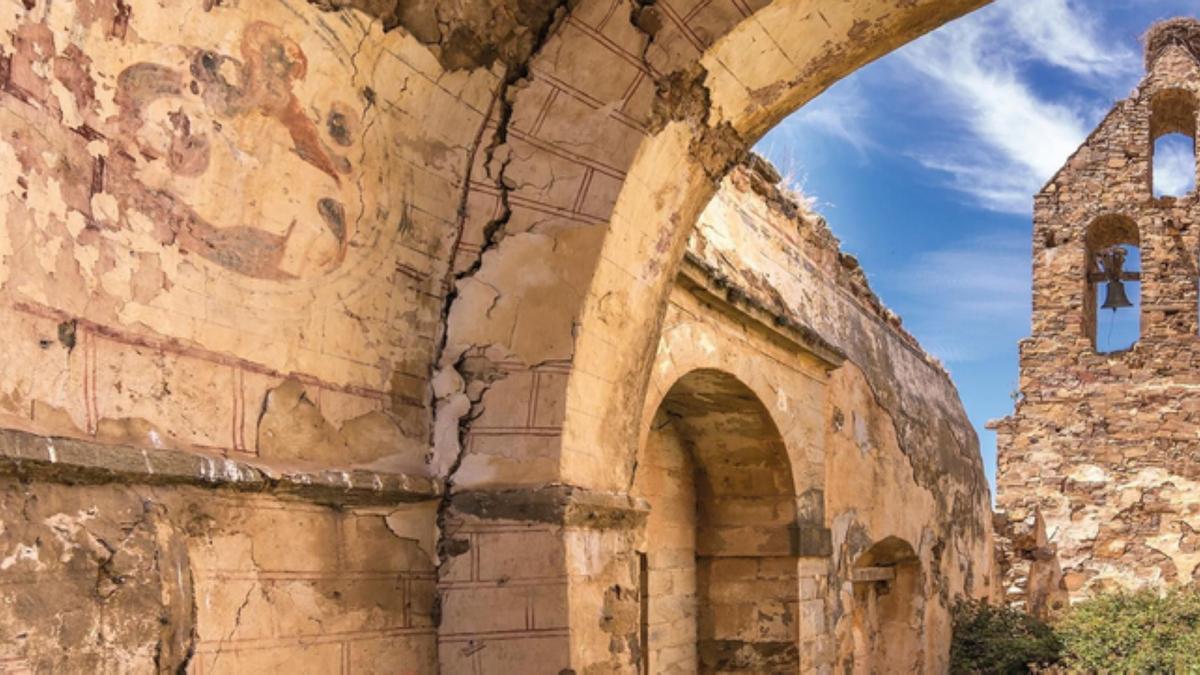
126,578
879,448
299,293
198,211
1096,473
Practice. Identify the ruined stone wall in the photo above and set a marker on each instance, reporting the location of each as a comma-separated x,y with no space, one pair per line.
1101,447
882,455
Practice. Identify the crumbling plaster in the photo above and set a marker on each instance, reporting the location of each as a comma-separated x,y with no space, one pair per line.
125,578
188,224
150,224
331,249
876,431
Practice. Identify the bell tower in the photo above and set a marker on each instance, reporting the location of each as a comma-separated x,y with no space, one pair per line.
1098,481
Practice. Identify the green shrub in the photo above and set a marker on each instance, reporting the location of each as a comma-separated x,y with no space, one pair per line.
990,639
1127,632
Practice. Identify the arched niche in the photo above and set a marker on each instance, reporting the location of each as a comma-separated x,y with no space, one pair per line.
886,613
720,554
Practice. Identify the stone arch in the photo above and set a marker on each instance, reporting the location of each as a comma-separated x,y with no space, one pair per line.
887,612
590,163
617,139
1172,111
723,521
1111,229
750,79
690,347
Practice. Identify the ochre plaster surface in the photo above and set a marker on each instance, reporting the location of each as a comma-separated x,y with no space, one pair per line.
349,318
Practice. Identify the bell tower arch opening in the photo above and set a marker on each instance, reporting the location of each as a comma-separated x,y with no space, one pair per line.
1173,143
720,549
1112,303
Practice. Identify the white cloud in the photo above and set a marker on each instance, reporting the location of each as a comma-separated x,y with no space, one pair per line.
990,180
839,113
1061,33
969,300
988,129
1010,139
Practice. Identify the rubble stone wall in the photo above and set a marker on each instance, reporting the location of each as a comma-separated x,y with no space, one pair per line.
1097,465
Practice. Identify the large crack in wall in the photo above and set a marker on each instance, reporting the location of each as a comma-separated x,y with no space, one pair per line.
464,374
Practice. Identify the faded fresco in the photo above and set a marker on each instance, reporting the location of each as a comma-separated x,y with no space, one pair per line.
199,193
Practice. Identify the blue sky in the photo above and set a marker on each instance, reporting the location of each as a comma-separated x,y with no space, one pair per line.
925,164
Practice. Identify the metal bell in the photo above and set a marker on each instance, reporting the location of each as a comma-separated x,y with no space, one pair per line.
1114,296
1111,262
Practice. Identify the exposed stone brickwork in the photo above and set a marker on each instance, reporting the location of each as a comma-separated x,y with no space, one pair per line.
1102,447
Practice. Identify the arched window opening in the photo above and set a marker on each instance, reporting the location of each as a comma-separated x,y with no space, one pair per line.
886,627
1174,165
1112,304
1173,149
721,573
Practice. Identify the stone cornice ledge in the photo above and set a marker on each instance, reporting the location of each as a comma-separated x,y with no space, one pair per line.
699,278
66,460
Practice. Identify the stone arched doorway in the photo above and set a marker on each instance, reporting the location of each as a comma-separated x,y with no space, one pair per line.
886,613
720,566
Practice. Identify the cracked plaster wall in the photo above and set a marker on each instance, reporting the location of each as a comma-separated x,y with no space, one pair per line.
111,578
276,231
197,210
883,438
203,250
